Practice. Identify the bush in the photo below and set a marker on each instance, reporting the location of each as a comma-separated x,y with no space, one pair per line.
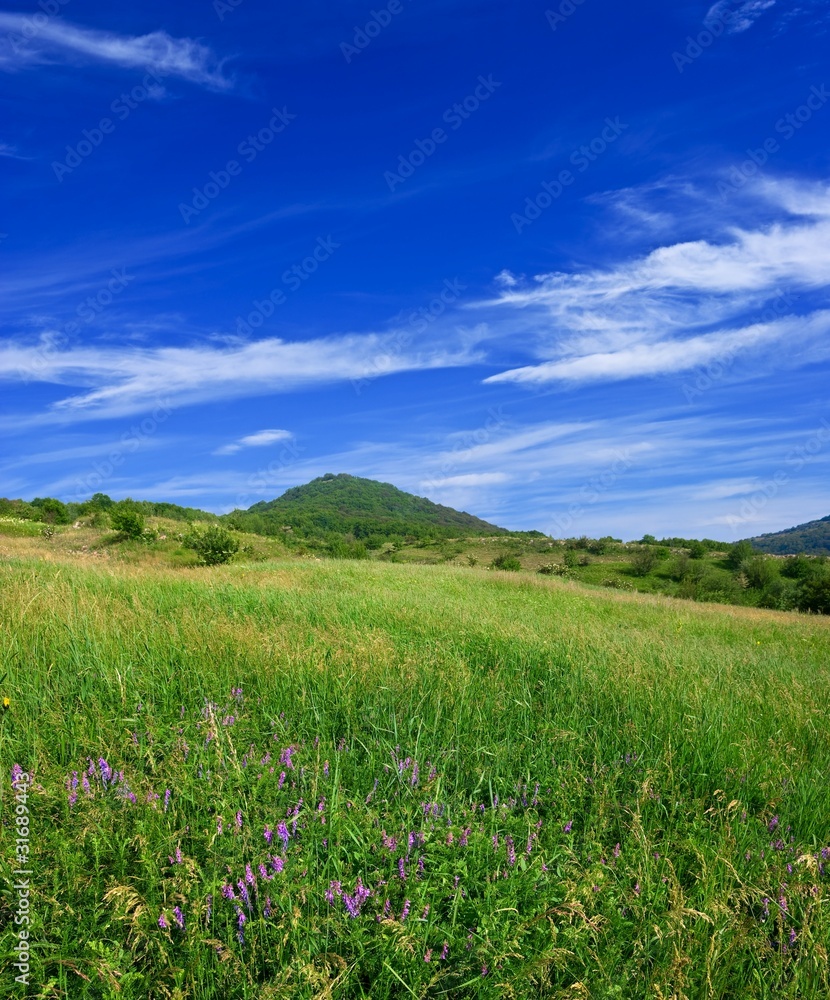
798,568
506,562
644,561
126,521
814,594
739,553
697,550
52,511
760,572
213,545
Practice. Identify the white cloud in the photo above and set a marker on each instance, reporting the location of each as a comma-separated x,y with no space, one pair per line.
7,150
259,440
469,480
121,381
684,304
738,18
29,43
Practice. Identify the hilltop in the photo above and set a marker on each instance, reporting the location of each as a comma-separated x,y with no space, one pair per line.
812,538
348,505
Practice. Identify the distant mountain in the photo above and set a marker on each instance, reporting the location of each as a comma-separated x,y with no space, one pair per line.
812,538
343,504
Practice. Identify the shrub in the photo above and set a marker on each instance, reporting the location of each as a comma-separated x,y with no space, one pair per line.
571,558
739,553
760,572
814,593
213,545
52,511
798,567
506,562
697,550
644,561
126,521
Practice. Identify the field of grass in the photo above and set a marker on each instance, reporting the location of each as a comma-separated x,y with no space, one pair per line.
300,778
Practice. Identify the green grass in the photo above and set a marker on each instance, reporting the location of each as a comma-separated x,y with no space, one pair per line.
654,766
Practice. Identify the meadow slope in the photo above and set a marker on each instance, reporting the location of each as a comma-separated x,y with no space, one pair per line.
335,779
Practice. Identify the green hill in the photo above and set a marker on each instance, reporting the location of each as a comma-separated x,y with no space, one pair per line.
362,508
812,538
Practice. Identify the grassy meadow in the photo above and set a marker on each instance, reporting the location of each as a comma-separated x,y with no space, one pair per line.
295,778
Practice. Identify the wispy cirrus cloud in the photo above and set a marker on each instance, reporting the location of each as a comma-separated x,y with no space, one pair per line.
9,151
262,439
738,17
683,304
118,381
27,43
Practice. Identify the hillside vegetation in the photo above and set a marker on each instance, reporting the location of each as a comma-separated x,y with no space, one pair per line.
364,509
812,537
347,517
297,779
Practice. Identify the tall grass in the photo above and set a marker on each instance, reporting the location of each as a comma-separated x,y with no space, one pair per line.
489,786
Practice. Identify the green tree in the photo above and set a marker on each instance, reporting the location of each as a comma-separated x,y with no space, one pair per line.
814,593
52,511
739,553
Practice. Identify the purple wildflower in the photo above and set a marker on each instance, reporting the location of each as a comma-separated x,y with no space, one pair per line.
617,850
162,922
277,864
428,956
249,876
511,851
354,903
106,771
405,911
567,827
219,826
282,833
239,819
401,870
773,824
178,916
167,794
285,757
793,936
445,951
326,768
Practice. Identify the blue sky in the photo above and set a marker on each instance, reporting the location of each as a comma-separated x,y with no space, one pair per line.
563,265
